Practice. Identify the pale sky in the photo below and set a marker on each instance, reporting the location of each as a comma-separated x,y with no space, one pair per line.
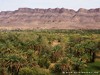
70,4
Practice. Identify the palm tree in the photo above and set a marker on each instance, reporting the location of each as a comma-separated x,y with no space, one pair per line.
66,64
91,47
56,53
14,64
77,64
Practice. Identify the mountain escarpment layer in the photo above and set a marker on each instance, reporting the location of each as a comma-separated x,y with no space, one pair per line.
58,18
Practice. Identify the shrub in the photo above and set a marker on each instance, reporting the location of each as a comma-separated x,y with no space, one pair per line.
56,68
43,62
33,71
3,71
25,71
40,71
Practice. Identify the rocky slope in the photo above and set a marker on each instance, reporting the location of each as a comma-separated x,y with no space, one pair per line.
58,18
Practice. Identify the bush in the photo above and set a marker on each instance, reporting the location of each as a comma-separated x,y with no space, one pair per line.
56,68
33,71
25,71
43,62
3,71
40,71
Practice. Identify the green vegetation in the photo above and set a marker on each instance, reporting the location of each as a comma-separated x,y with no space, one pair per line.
49,52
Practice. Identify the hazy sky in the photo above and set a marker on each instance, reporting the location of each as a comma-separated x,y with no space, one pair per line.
71,4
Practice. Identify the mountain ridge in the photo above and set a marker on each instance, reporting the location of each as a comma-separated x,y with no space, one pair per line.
57,18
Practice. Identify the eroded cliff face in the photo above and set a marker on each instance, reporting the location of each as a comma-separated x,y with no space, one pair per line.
58,18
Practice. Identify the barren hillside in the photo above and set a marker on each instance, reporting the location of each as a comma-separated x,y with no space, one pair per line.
58,18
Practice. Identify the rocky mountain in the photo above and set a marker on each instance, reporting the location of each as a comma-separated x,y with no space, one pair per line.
58,18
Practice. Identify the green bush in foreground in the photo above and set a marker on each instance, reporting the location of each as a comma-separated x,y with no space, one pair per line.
33,71
25,71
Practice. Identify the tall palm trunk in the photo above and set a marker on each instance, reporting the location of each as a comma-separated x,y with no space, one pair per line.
92,54
93,57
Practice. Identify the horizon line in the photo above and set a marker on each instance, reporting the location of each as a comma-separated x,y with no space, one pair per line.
50,8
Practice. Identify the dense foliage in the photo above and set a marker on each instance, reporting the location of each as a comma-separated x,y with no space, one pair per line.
47,52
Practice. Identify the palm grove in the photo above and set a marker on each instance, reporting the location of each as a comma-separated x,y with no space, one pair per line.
47,52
